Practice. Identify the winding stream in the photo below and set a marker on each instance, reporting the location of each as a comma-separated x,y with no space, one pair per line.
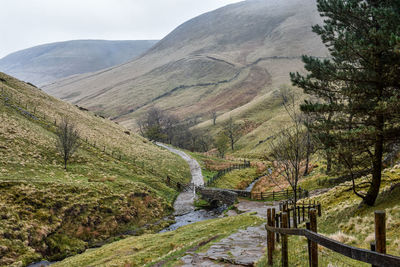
185,212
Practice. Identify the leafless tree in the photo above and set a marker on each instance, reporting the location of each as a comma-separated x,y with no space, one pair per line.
232,130
221,143
214,116
67,139
290,146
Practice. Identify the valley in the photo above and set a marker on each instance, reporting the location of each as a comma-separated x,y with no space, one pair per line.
260,133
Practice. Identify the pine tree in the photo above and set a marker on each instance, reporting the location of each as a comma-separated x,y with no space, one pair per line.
358,86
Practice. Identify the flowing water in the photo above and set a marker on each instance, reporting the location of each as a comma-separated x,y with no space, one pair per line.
185,212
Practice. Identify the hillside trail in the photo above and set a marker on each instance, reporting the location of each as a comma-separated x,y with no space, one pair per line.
243,248
184,203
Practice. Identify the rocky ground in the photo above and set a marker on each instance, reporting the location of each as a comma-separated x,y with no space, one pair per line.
243,248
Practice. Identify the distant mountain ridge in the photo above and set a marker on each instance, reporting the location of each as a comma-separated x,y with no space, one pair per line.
220,60
49,62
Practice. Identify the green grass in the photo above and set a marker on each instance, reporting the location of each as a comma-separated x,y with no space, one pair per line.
151,248
343,219
48,212
236,179
210,164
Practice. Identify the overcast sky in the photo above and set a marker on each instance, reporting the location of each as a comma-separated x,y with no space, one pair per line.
26,23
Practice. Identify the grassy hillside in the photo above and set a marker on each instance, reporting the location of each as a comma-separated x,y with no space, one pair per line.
219,60
344,220
46,63
114,183
260,119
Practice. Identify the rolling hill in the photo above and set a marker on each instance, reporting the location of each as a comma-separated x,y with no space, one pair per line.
219,60
115,182
46,63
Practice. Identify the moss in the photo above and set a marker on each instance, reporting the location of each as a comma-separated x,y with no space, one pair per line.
63,246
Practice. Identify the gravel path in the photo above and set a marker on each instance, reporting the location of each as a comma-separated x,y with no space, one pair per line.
195,169
184,202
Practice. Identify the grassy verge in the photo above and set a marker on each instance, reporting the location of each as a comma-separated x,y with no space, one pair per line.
237,179
167,247
344,220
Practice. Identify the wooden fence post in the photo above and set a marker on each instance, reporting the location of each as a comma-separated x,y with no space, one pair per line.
288,215
319,209
284,238
303,208
373,248
269,239
308,227
314,246
380,231
277,226
273,224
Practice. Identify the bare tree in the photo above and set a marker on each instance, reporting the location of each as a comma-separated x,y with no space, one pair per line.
307,119
214,116
67,139
289,149
221,143
232,130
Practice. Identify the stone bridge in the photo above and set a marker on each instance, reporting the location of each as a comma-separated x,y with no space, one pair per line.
216,196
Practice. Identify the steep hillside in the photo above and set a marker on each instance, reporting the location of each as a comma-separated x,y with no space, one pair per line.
114,183
46,63
220,60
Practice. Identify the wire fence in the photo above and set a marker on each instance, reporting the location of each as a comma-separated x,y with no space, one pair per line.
33,112
220,173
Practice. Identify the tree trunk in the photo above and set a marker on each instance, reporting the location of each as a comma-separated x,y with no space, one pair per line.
295,207
328,161
65,163
373,190
308,153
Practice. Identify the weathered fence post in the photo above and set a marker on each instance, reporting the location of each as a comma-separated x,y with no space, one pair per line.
308,244
288,215
319,209
314,246
273,224
269,238
373,248
380,231
277,226
284,238
303,208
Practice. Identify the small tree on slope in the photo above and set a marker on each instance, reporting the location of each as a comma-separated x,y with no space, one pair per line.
67,140
290,147
359,85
